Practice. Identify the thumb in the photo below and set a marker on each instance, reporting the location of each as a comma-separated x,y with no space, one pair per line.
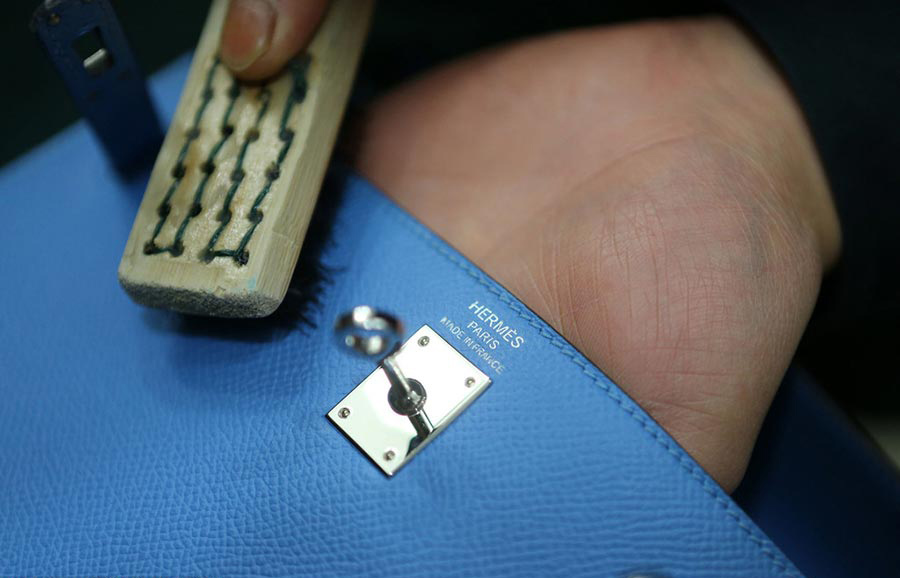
260,36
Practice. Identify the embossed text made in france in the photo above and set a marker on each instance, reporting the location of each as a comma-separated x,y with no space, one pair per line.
485,334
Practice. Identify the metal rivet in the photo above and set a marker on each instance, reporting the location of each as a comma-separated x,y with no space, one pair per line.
423,341
54,18
389,455
344,412
470,381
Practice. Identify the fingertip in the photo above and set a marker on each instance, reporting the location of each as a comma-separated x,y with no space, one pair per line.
293,24
247,33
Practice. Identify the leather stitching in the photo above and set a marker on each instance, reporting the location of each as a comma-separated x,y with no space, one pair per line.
686,462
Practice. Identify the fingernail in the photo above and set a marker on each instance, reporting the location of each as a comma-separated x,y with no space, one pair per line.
247,33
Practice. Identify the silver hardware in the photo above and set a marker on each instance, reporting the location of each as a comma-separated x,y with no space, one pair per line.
368,331
372,332
410,398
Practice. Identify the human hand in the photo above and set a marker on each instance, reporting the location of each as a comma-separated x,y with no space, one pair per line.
650,190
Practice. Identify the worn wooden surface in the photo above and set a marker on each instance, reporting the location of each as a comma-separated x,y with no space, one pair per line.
231,194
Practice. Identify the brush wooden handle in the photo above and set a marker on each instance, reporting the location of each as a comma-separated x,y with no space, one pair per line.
231,194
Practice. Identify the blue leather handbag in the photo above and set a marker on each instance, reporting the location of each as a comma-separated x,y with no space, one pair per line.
136,441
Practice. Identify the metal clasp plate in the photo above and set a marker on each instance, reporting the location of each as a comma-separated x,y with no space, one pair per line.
389,438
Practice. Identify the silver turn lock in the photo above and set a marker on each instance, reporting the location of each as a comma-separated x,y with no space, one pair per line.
417,390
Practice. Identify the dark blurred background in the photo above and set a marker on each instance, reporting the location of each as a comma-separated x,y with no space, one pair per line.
855,362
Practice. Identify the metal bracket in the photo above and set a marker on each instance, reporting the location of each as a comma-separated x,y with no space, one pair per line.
373,420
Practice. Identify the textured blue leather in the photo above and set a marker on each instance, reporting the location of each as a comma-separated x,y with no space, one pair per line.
135,441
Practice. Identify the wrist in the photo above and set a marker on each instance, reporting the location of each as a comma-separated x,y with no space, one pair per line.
750,102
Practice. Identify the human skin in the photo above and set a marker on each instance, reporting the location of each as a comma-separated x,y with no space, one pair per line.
651,190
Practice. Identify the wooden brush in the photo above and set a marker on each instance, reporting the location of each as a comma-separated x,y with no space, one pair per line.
231,194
